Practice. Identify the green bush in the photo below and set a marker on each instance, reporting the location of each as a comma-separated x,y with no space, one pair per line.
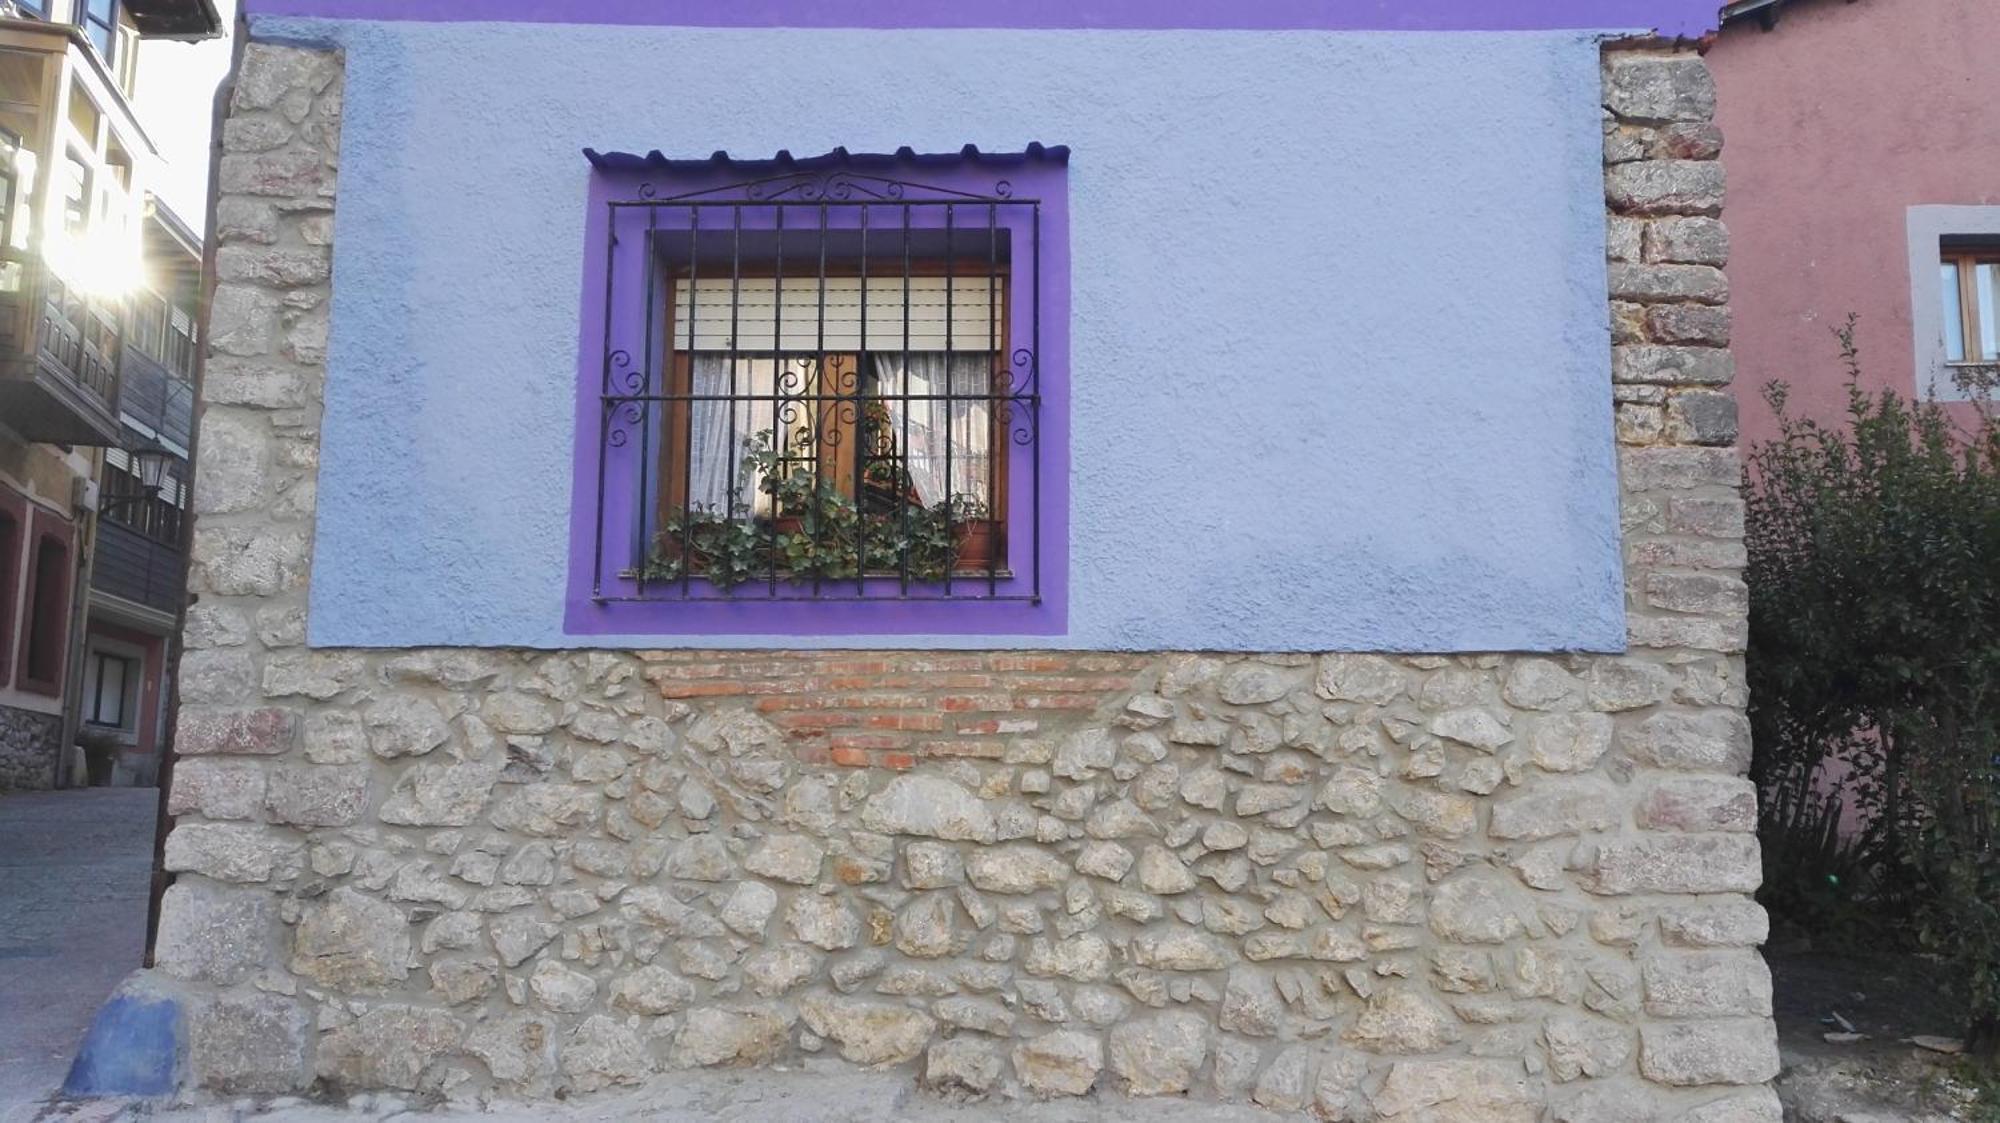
1874,572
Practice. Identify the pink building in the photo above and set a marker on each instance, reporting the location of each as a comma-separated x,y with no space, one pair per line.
1863,153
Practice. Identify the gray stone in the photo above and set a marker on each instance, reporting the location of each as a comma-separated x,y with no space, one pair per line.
1015,868
774,971
930,806
1553,808
442,795
1709,741
1680,864
712,1036
232,463
1106,860
1699,803
749,908
217,789
317,795
1647,87
963,1065
869,1033
1474,727
388,1047
1717,984
1687,1054
924,928
1580,1045
1254,684
1569,742
824,922
602,1053
1160,1056
1402,1020
547,810
1360,678
1720,925
1456,1091
519,1051
787,857
214,933
519,936
1705,417
348,941
403,725
1179,949
1085,753
1251,1004
1659,187
1063,1063
560,989
230,852
1672,366
249,1044
931,865
1697,325
1286,1084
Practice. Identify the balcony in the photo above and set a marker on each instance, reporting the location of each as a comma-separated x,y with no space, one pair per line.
57,384
155,403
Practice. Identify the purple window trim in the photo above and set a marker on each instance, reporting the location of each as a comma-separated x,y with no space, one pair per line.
744,614
1681,18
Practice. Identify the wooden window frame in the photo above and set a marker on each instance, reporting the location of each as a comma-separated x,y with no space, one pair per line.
837,455
13,549
1966,263
47,529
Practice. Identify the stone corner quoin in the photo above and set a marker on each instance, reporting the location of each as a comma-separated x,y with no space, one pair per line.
1363,885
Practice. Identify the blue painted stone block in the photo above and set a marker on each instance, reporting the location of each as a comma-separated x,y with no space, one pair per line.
132,1049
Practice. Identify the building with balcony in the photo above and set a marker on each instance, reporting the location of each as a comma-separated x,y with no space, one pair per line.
98,296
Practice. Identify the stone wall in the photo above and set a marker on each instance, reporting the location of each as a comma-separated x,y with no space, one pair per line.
1371,887
30,744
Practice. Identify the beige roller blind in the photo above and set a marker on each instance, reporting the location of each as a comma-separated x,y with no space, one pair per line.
765,309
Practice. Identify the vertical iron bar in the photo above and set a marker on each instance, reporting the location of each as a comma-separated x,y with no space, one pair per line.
604,423
687,456
780,436
645,465
992,400
820,435
1035,405
950,383
735,306
861,441
907,481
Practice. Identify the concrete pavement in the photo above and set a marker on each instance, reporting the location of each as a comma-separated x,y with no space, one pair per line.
74,872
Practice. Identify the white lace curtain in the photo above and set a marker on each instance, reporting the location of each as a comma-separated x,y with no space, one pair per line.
720,428
968,418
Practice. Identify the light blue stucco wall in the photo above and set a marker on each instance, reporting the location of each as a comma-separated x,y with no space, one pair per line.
1340,349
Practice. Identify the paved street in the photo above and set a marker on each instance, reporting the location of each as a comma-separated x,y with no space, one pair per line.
73,877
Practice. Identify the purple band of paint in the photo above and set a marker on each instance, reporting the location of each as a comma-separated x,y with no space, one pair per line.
1680,18
603,597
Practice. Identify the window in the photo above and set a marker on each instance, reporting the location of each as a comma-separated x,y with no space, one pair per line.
99,20
75,195
13,536
1969,281
128,503
45,637
110,687
823,384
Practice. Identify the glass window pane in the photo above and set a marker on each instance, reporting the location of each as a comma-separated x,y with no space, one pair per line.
1954,314
1989,324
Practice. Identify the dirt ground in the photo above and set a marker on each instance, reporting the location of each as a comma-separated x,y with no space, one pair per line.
1891,998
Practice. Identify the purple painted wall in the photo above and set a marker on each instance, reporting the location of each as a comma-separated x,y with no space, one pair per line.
1679,18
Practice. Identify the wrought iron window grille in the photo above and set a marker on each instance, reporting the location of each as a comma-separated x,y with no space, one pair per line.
827,390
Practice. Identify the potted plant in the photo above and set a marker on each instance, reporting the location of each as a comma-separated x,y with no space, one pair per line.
101,747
